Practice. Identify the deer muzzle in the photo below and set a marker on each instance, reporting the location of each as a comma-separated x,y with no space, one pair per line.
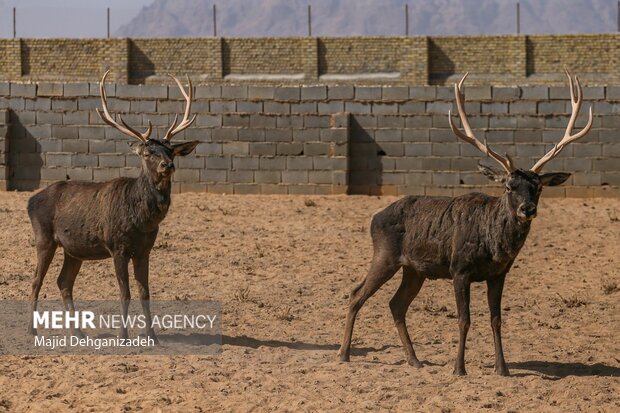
527,211
166,167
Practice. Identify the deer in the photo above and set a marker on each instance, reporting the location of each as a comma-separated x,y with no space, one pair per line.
469,238
117,219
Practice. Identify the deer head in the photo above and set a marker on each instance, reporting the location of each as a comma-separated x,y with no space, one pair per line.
157,154
523,188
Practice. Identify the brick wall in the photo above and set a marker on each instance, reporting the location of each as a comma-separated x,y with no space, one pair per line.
284,56
42,57
415,60
10,59
592,55
156,58
479,55
307,139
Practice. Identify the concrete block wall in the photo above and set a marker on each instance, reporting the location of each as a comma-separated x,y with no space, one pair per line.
309,139
403,145
4,149
254,139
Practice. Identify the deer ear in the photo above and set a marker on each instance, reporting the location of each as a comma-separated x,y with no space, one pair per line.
554,178
136,147
184,148
491,173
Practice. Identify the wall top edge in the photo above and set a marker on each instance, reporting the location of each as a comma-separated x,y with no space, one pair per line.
507,35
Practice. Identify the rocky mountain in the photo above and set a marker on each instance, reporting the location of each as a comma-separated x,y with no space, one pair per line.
257,18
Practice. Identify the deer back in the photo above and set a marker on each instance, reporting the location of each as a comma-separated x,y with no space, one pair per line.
439,236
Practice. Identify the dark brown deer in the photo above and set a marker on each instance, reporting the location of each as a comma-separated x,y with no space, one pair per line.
470,238
118,219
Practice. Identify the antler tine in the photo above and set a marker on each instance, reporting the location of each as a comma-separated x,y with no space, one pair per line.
109,119
576,101
148,129
186,121
469,136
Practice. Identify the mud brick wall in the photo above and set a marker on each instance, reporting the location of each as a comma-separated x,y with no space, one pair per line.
413,60
450,55
69,58
405,56
309,139
287,56
156,58
588,54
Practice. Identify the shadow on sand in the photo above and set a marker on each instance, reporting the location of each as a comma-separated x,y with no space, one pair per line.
245,341
561,370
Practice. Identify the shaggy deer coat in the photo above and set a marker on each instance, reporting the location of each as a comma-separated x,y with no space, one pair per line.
118,219
470,238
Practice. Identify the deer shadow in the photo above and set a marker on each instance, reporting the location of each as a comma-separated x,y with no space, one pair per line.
245,341
558,370
200,339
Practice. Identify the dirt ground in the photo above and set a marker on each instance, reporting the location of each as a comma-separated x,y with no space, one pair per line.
283,266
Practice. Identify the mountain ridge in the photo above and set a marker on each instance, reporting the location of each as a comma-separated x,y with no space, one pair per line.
288,18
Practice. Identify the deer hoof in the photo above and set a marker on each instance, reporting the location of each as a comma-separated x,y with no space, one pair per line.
32,331
343,356
415,363
460,371
502,372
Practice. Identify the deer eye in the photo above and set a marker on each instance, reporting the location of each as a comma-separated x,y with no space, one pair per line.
147,154
508,188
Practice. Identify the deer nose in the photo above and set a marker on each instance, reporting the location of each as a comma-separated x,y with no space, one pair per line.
167,165
528,210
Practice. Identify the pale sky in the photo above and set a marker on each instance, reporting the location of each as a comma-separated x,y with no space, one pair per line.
66,18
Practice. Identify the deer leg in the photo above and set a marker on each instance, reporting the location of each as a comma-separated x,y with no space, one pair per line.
461,291
45,255
380,271
70,268
409,288
121,265
141,274
494,297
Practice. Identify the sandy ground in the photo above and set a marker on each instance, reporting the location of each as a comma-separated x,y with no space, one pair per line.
283,269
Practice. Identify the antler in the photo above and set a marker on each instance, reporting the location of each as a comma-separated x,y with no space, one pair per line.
469,136
576,102
107,118
185,122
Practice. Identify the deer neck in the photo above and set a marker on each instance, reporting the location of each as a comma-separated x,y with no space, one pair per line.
507,233
153,198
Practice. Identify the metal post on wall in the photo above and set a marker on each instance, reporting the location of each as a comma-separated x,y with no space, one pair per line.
14,24
518,18
108,22
619,16
406,20
214,20
309,20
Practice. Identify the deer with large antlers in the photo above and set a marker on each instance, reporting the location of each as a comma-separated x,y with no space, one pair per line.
118,219
470,238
